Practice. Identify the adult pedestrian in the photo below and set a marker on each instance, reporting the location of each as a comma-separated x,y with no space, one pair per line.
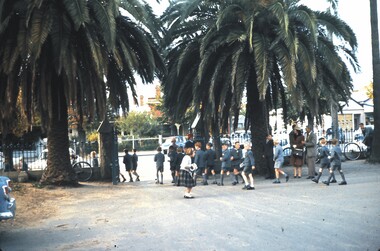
367,132
189,143
135,160
336,163
248,167
279,161
310,151
291,136
226,163
268,157
127,160
297,152
186,173
200,160
174,144
159,158
22,166
94,160
95,163
236,157
210,162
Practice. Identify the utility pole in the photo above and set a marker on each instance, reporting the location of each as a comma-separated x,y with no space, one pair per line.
375,156
334,105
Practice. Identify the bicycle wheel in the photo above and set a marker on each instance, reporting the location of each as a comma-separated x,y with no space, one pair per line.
352,151
83,170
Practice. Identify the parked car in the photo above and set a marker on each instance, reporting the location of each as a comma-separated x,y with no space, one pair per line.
41,162
180,142
7,203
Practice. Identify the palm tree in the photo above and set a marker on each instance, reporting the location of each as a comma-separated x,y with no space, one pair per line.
332,82
375,155
229,53
59,53
267,48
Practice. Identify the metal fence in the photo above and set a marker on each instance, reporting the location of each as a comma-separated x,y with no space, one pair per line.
344,136
142,144
34,155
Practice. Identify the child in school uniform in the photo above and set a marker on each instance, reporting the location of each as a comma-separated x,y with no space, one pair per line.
325,162
127,160
135,160
159,158
178,162
226,163
335,158
210,162
248,167
278,158
200,160
187,173
172,154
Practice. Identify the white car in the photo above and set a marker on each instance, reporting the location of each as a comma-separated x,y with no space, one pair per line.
180,142
7,203
41,163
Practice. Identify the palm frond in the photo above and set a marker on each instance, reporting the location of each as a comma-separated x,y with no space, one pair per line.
105,18
78,11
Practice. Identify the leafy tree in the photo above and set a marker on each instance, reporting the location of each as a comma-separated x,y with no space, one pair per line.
58,54
138,124
369,90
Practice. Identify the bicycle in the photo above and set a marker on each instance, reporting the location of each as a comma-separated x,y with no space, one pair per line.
354,150
82,169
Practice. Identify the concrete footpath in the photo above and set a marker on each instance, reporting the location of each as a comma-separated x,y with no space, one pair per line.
297,215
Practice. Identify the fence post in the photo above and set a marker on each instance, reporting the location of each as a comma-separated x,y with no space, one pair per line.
133,142
160,139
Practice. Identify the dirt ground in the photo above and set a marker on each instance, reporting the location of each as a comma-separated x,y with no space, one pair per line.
146,216
35,203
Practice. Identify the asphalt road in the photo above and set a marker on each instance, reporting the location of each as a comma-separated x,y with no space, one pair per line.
298,215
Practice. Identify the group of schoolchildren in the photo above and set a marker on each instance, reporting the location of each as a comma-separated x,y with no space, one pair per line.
330,160
130,162
190,162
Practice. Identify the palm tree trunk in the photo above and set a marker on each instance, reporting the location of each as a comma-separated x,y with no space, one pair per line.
106,148
259,126
375,155
106,142
216,139
59,170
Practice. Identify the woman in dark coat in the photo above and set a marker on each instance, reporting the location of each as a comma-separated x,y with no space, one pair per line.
297,152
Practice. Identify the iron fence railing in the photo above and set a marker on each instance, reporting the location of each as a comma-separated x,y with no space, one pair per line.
34,155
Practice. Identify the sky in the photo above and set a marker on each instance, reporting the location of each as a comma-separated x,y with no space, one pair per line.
356,13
